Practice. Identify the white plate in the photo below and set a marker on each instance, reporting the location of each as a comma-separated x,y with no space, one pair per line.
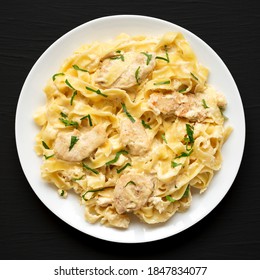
32,97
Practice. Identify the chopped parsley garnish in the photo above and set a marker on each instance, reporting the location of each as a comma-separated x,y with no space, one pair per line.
184,154
189,140
74,93
145,125
47,157
187,191
167,59
222,114
186,194
89,168
63,115
123,168
148,56
204,104
77,179
190,130
73,96
162,83
45,145
89,119
117,157
119,56
175,164
62,192
76,67
137,75
73,141
96,91
58,74
182,90
69,123
164,139
127,113
194,76
69,85
130,183
95,190
169,198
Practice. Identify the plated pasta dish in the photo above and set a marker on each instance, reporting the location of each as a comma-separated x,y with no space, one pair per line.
132,127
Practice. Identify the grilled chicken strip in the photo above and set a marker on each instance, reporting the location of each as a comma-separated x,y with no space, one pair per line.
189,106
125,70
132,191
134,136
87,142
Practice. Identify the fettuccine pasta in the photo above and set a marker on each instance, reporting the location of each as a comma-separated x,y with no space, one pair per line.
132,127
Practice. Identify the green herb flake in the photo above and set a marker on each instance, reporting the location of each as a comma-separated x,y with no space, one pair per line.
148,56
182,90
187,191
162,83
69,84
77,179
204,104
145,125
130,183
73,96
164,139
76,67
175,164
194,76
89,168
162,58
45,145
123,168
137,75
127,113
89,119
190,131
73,141
169,198
96,91
184,154
62,193
69,122
58,74
63,115
189,140
222,114
167,59
93,191
119,56
116,157
47,157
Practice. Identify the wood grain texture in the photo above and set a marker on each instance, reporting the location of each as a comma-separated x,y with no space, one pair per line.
29,230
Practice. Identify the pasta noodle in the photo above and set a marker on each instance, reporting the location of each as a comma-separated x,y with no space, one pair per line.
132,127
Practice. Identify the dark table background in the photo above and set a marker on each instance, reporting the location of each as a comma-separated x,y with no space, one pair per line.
28,230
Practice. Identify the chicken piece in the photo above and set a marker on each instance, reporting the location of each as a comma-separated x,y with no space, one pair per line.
181,105
132,192
124,70
134,136
87,143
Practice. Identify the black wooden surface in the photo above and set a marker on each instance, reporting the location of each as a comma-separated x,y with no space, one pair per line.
28,230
